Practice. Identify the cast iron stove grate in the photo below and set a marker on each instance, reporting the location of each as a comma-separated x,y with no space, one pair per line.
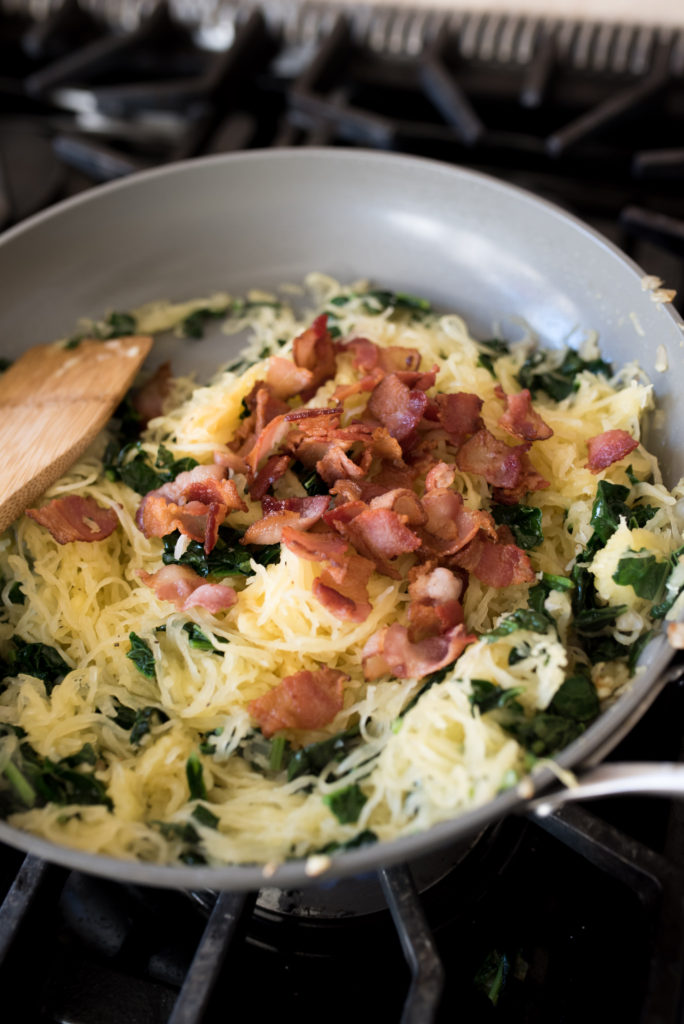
578,917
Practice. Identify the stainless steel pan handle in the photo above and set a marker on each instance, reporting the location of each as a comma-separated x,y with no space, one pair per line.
626,778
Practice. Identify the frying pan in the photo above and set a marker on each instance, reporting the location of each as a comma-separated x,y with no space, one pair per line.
465,241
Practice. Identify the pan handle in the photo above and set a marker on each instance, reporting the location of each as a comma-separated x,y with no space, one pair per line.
660,778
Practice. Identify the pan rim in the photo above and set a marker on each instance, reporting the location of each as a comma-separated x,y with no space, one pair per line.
604,733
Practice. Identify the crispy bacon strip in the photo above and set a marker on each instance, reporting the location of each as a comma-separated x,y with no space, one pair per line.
459,415
368,356
316,547
496,563
520,419
498,462
379,535
75,519
273,469
184,588
343,589
435,606
286,379
450,525
297,513
305,700
390,652
314,350
397,407
609,447
196,503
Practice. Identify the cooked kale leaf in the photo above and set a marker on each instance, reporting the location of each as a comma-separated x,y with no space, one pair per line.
522,618
141,656
362,839
198,640
205,817
228,558
195,776
525,521
646,576
194,324
139,721
346,803
309,479
487,695
138,472
36,781
312,759
561,381
37,660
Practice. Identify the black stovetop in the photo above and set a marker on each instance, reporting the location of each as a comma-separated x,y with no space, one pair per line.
576,917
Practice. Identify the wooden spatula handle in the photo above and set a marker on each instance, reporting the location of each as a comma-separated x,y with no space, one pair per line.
53,402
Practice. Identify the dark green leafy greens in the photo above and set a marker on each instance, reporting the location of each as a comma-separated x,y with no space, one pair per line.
378,300
137,721
39,660
115,325
346,803
138,472
487,696
36,781
228,558
195,777
673,589
141,656
364,838
525,521
205,817
309,479
560,381
194,324
312,759
522,618
496,347
198,640
644,573
573,708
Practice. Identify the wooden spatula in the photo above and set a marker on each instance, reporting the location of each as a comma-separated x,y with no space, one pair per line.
53,401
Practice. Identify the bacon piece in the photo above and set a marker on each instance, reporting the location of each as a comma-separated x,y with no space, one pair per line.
404,502
450,525
273,434
417,379
314,350
609,447
495,562
75,519
397,407
148,400
196,503
336,464
435,602
184,588
496,461
273,469
339,516
305,700
459,415
368,356
316,547
297,513
231,460
520,419
380,534
286,379
343,589
390,652
440,476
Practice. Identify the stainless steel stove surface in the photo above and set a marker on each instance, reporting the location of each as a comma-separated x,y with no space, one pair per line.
575,917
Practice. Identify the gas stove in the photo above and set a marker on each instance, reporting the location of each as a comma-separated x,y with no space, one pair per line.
576,916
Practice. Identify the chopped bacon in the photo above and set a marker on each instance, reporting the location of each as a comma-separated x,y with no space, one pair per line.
196,503
380,534
148,400
297,513
368,356
397,407
435,602
390,652
75,519
520,419
440,476
342,514
305,700
316,547
417,379
314,350
231,460
496,461
404,502
270,437
285,379
184,588
609,447
495,562
450,525
342,589
336,464
272,470
459,415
